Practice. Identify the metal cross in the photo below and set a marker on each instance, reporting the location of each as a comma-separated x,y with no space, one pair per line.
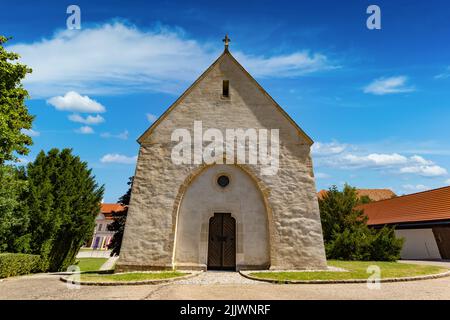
226,40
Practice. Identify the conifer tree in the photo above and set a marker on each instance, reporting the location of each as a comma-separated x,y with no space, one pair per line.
120,218
63,201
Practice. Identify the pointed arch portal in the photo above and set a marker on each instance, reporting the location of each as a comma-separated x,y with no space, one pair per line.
222,225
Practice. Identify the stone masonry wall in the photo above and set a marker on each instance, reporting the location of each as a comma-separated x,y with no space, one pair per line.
295,231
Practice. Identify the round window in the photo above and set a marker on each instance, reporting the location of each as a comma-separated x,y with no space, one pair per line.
223,181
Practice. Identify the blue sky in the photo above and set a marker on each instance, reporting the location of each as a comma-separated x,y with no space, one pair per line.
376,102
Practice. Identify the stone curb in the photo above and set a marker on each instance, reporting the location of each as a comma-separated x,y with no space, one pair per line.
246,274
130,283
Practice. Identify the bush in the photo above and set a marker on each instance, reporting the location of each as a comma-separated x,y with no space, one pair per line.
345,231
365,244
385,246
349,245
16,264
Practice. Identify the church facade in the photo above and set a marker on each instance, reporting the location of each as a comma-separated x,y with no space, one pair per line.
223,211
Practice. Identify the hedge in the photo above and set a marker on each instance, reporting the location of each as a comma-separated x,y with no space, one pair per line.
16,264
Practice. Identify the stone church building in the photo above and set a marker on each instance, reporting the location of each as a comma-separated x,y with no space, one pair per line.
203,216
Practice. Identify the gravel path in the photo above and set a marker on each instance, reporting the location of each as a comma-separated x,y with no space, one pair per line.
218,277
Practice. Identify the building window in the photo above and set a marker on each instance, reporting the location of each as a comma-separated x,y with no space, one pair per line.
226,88
223,181
96,243
99,227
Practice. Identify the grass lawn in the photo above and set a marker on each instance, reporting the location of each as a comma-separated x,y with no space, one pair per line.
91,264
355,270
134,276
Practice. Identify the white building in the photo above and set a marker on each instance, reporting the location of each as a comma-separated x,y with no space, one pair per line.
102,236
422,219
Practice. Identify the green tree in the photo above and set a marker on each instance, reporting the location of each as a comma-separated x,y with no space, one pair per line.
125,199
385,245
345,231
14,114
364,199
337,211
63,201
14,220
119,220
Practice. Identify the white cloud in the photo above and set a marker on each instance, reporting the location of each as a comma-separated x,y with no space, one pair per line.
123,135
443,75
31,132
151,117
415,188
415,164
421,160
374,159
322,175
88,120
425,170
344,157
423,167
330,148
382,86
115,58
447,181
118,158
73,101
290,65
85,130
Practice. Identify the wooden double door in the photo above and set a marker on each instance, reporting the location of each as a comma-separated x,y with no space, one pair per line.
222,242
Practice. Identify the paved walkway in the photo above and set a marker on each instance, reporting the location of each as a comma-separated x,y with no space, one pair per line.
415,290
93,254
224,285
439,263
218,285
109,264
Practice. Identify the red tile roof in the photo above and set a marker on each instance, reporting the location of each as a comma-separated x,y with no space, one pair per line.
417,207
373,194
321,194
376,194
110,207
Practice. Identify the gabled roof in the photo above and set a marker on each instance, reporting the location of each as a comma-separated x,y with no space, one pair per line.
423,206
226,52
373,194
111,207
376,194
